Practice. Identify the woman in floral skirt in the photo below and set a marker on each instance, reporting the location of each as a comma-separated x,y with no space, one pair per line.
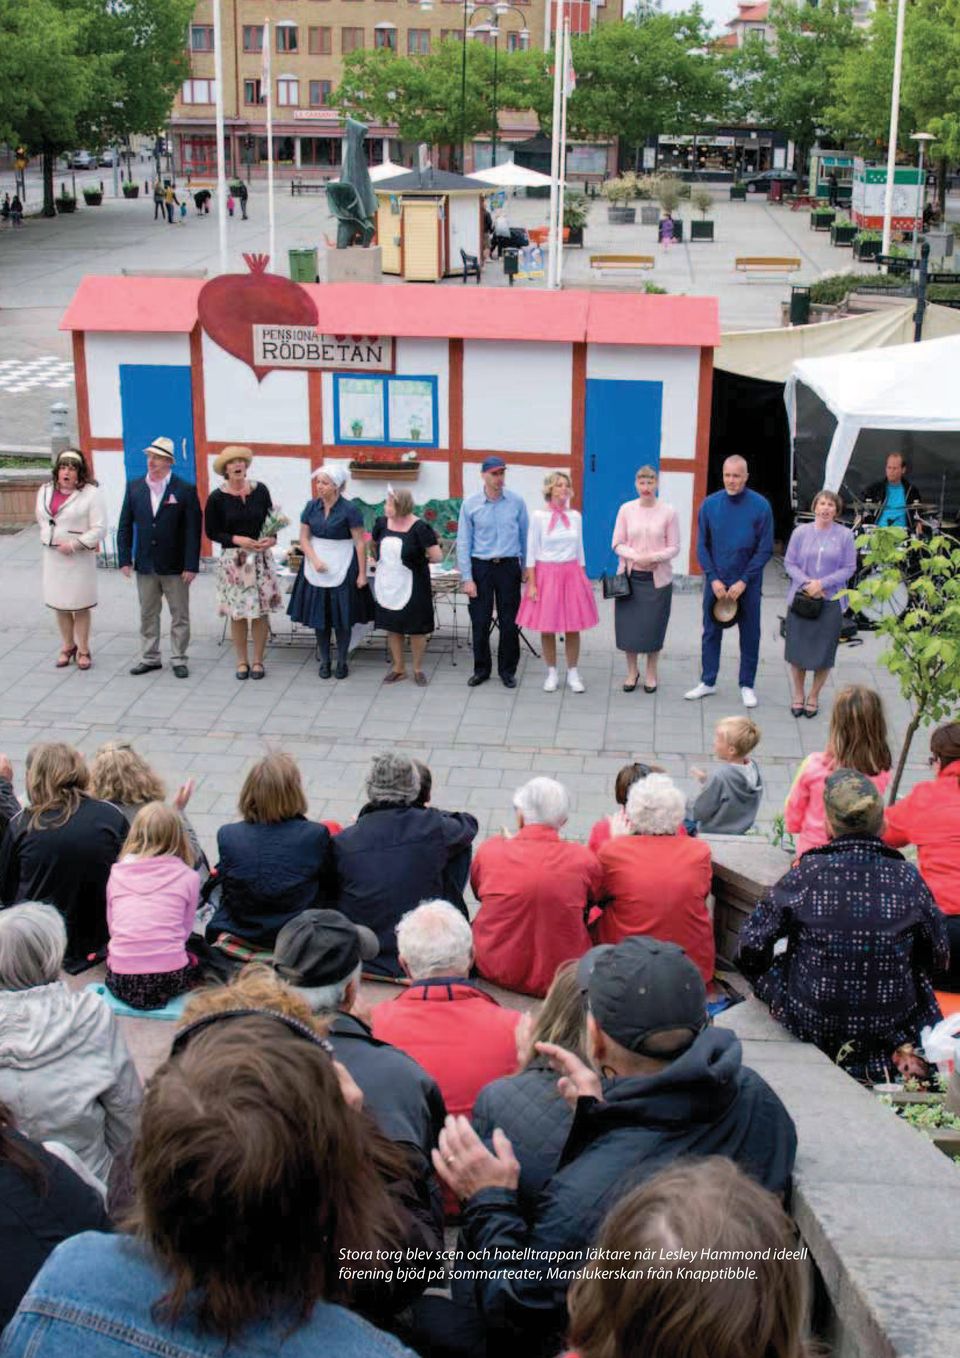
247,585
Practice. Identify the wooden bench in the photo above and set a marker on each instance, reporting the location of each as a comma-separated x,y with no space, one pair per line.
302,186
772,264
798,201
621,261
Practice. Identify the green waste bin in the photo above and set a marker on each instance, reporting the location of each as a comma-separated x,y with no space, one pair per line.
799,305
303,265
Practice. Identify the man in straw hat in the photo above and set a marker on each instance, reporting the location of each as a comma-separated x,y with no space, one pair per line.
734,543
158,536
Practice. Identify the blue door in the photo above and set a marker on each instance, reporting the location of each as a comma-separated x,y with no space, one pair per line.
622,432
156,400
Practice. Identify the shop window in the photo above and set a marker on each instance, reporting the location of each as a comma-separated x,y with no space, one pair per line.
288,39
418,41
201,37
323,152
351,40
320,91
253,37
319,42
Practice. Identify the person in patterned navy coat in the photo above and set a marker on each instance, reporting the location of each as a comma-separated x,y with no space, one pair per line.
863,936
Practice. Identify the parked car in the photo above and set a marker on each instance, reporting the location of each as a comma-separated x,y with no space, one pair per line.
107,157
82,160
760,182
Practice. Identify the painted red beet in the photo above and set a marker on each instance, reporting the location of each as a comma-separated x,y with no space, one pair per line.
231,305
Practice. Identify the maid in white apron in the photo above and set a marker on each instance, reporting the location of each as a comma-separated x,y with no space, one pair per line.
330,594
405,546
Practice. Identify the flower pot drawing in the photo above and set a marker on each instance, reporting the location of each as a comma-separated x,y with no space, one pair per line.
356,429
414,432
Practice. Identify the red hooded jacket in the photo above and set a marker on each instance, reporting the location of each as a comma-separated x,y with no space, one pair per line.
929,817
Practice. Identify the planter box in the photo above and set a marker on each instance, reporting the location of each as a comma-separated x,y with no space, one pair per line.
866,249
573,235
621,216
66,204
701,230
649,214
18,496
738,193
842,235
93,199
377,471
821,219
131,190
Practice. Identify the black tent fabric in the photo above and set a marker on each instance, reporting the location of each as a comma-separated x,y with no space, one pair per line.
748,418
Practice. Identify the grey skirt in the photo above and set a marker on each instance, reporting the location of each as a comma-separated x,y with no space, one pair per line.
812,642
640,620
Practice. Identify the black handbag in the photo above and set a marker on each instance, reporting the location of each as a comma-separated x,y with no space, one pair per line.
616,586
806,607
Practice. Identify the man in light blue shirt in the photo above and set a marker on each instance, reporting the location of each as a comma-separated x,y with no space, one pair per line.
491,549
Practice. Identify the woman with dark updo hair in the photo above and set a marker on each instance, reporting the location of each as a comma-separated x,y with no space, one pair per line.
929,817
73,523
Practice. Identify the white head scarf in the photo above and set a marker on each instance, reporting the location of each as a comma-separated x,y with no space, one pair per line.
333,473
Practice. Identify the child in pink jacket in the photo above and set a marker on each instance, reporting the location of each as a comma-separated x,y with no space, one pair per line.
152,896
857,740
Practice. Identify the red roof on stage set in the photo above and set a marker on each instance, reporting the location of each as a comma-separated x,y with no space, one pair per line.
116,304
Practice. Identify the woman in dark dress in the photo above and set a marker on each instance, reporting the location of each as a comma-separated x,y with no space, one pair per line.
404,599
247,584
330,593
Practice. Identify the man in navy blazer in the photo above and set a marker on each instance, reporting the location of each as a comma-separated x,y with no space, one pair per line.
165,512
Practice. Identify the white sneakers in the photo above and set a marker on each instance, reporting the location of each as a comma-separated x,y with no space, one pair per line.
749,697
552,682
701,691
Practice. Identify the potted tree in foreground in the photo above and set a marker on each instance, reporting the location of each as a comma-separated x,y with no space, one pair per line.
702,200
575,215
618,193
669,195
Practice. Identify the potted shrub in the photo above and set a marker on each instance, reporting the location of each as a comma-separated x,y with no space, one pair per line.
574,219
842,231
738,192
618,193
66,202
669,195
821,218
93,197
129,189
866,244
702,200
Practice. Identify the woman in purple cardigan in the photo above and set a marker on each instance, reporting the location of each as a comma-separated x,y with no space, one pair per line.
820,560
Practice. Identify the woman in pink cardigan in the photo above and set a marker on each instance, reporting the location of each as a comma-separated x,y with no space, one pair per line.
646,538
152,897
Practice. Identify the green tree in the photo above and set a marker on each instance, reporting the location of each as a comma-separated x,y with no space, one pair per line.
650,74
788,83
923,646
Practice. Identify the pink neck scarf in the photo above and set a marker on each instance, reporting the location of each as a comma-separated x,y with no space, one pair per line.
558,515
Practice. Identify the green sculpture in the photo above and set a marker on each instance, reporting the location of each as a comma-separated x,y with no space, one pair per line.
351,198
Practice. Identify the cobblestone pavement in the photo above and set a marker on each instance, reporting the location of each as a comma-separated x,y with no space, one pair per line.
481,743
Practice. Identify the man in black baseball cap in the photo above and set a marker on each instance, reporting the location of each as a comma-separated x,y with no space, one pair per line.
321,953
663,1083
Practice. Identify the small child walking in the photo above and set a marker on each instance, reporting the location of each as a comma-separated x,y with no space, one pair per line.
231,204
152,896
183,213
730,797
857,740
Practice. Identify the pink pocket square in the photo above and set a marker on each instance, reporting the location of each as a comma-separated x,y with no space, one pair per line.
171,499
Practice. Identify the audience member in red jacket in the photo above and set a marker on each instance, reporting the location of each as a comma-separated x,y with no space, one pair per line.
656,882
458,1033
625,779
929,817
534,892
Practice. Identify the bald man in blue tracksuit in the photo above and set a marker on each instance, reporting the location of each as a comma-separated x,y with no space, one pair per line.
734,543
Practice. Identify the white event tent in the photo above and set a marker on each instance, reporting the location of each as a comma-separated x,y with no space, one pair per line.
512,176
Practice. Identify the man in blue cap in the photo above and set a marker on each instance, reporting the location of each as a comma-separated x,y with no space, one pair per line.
491,549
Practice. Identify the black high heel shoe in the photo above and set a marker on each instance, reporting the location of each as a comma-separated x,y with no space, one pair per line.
629,688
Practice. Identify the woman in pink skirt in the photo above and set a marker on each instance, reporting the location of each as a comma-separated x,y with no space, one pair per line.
559,597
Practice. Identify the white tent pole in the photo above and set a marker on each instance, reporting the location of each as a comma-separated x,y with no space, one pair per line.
563,151
552,280
271,216
221,175
894,122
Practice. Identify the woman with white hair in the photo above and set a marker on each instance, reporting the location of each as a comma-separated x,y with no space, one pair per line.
654,879
65,1071
458,1033
330,594
535,890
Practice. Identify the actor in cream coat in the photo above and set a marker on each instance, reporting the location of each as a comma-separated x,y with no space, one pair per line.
73,523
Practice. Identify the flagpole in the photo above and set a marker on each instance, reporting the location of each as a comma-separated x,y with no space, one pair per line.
268,81
555,147
221,175
562,183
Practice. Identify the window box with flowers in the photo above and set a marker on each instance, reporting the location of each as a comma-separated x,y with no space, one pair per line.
375,465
